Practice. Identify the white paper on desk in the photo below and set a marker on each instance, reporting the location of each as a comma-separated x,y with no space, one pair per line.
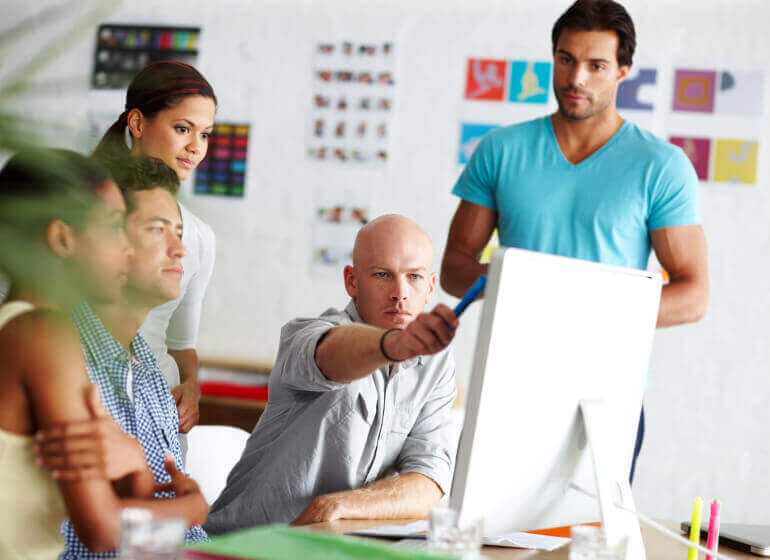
526,540
394,531
509,540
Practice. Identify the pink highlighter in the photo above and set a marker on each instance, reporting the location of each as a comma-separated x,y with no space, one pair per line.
713,537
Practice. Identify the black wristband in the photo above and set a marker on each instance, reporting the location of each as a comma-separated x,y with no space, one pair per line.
382,345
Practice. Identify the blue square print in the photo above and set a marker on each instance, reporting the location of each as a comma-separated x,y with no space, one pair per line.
470,136
530,82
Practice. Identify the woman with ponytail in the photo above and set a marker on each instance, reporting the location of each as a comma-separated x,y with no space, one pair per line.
169,115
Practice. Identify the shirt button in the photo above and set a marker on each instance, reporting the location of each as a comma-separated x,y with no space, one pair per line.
122,394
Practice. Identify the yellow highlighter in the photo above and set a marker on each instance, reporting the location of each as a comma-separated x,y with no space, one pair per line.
697,506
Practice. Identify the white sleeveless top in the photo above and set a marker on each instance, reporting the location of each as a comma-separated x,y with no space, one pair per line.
31,507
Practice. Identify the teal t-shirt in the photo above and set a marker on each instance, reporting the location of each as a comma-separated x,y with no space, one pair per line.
601,209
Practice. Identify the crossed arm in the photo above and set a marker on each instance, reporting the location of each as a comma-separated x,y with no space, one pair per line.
55,379
681,251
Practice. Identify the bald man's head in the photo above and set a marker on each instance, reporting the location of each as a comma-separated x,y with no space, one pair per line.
392,277
390,232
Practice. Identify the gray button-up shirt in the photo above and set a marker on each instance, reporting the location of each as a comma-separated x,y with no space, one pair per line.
318,436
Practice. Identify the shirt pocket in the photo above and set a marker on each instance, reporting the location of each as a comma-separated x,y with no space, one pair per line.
403,419
408,402
350,433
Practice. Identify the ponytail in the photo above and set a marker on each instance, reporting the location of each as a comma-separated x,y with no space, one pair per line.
113,143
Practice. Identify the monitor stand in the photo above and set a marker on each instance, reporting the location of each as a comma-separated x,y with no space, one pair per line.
611,479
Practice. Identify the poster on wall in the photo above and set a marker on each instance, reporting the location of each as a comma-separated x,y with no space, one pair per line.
639,98
503,81
352,102
223,171
639,90
501,92
718,92
470,136
716,118
722,160
122,50
338,215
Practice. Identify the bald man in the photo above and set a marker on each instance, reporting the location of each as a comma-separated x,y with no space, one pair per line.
357,425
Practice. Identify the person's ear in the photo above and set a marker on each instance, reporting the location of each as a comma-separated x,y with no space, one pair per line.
431,288
61,238
623,72
136,122
351,282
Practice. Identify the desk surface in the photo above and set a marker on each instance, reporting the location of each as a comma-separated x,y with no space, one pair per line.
658,546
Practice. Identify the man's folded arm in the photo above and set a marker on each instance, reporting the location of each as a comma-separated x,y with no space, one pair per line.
404,496
431,445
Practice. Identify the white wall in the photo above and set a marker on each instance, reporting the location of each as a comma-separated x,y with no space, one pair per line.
707,405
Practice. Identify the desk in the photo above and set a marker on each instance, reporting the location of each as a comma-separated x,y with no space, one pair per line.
229,411
658,546
226,411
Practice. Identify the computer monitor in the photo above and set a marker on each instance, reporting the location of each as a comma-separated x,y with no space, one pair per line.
561,361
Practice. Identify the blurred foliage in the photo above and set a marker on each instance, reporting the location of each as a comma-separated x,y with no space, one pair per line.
22,251
18,131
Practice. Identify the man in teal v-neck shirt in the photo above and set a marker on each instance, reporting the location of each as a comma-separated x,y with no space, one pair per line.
582,182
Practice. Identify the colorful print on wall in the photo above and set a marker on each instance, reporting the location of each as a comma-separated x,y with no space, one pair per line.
730,102
122,50
632,90
517,81
335,232
699,152
735,161
694,90
501,92
339,214
530,82
485,79
223,171
725,93
470,136
740,93
352,102
721,160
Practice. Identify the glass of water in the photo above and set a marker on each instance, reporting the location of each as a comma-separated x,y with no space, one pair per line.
590,543
147,537
447,536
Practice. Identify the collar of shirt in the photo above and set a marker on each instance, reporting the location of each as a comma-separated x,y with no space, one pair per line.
352,311
107,353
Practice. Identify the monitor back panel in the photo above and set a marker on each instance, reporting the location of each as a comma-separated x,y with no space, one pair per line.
553,331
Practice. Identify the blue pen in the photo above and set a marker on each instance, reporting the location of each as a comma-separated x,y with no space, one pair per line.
472,294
